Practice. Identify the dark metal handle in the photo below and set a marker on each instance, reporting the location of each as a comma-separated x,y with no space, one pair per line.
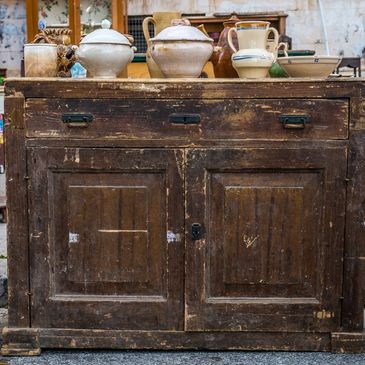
180,118
294,121
196,231
77,120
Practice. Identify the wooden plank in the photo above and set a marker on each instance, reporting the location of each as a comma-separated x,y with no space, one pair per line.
74,18
32,19
178,143
220,119
16,187
354,261
348,342
180,88
120,16
274,341
20,342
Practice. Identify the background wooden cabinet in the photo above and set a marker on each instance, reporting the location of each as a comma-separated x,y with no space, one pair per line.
119,18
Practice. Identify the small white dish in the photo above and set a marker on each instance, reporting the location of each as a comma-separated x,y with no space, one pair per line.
309,66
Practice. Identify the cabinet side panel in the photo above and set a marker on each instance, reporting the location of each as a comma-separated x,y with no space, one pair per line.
16,190
354,283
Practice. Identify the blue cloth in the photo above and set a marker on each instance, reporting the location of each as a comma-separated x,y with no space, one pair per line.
77,71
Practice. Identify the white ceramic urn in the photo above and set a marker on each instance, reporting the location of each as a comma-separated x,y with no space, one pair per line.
105,52
181,50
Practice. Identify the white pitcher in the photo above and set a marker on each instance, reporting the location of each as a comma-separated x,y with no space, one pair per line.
253,60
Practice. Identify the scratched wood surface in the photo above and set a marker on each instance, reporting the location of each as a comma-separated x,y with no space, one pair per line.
219,119
272,253
102,222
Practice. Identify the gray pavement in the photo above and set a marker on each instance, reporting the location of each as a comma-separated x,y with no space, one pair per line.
186,358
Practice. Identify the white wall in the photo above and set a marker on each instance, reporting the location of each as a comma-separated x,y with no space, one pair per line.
12,35
345,19
345,22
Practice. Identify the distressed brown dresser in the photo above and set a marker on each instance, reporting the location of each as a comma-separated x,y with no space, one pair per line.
185,214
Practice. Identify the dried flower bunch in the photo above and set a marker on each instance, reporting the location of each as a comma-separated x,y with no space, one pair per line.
53,35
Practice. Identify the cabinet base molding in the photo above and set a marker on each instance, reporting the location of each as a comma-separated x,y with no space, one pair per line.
27,342
351,342
20,342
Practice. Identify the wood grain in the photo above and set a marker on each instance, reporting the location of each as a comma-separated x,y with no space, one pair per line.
17,205
102,225
219,119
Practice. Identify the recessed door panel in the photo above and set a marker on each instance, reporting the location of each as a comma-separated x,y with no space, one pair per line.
101,238
270,256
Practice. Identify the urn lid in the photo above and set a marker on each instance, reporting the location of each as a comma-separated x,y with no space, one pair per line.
181,30
105,35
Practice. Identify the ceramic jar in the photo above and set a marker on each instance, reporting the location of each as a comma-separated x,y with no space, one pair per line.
160,21
252,60
221,58
181,50
105,52
40,60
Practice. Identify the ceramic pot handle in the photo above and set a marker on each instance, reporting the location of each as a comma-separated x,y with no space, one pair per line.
146,22
134,49
284,46
229,38
276,36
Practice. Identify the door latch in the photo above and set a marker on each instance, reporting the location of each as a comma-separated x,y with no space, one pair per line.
196,231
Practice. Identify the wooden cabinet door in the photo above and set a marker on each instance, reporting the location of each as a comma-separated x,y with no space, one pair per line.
106,238
270,256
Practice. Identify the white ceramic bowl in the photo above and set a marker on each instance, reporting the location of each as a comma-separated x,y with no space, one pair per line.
309,66
181,50
105,52
183,59
105,60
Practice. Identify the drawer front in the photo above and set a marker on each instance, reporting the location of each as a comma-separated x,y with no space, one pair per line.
190,119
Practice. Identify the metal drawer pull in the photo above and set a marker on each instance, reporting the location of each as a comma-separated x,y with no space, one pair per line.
294,121
196,231
77,120
178,118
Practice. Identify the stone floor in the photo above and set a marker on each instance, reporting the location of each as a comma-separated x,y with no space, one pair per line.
185,358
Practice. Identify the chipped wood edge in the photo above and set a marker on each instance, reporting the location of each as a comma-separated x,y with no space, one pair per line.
348,342
20,342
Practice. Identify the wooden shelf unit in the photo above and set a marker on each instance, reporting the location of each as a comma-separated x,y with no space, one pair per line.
119,18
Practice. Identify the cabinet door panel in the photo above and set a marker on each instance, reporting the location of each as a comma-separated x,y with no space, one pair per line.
270,258
101,249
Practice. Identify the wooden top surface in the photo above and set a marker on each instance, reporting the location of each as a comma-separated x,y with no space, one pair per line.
183,80
184,88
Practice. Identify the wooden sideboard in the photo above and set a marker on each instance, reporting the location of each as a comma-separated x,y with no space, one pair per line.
177,214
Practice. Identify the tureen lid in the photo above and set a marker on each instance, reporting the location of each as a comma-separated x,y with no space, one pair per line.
181,30
105,35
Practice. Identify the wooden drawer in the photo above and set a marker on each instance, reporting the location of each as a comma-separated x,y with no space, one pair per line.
215,119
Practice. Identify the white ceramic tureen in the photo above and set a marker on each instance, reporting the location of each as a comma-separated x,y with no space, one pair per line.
181,50
105,52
